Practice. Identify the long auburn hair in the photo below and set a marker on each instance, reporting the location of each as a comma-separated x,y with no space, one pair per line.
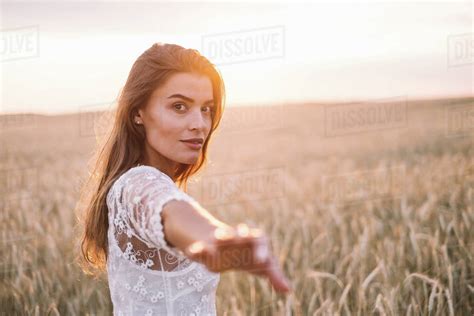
123,145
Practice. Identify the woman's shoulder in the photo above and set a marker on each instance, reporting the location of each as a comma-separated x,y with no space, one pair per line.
139,175
143,172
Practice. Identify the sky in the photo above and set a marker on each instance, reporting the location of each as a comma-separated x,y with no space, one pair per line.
65,57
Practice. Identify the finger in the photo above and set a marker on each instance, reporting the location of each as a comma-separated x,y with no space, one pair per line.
200,251
224,233
224,236
277,278
246,232
254,235
194,248
228,237
256,232
243,230
261,251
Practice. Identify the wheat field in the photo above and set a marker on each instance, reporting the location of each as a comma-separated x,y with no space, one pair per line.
363,219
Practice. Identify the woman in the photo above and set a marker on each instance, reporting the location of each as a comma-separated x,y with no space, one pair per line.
162,250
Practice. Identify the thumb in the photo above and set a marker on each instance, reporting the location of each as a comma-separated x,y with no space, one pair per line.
277,278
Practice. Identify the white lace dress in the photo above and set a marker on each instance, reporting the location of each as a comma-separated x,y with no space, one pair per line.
146,275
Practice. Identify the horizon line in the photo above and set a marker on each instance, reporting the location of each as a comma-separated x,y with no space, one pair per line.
268,104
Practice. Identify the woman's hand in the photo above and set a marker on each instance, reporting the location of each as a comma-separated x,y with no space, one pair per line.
244,249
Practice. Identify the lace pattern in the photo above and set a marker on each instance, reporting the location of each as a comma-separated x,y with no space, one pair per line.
147,276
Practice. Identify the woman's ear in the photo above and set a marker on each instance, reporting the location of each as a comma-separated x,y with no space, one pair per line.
138,119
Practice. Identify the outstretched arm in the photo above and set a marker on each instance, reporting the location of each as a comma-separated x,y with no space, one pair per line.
219,246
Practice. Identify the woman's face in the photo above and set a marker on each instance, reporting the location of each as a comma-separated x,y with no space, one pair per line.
178,110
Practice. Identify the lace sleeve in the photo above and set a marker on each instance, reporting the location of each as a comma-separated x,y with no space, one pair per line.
145,192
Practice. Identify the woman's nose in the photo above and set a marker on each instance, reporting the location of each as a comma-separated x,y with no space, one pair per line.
197,120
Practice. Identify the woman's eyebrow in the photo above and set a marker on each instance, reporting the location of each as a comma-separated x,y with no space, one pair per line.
177,95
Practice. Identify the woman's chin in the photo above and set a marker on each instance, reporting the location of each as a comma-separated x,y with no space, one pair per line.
190,160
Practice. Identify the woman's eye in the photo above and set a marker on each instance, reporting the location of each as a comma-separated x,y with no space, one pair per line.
182,107
177,104
209,108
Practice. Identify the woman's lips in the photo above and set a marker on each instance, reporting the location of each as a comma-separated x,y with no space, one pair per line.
192,145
